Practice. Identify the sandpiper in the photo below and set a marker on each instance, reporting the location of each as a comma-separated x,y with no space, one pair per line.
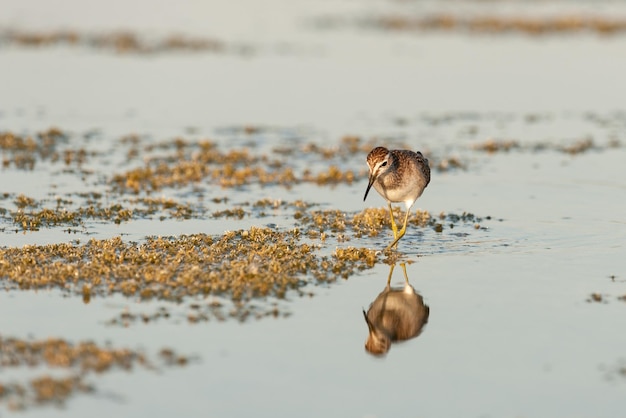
399,176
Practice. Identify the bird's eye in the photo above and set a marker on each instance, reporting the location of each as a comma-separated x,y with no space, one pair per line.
383,164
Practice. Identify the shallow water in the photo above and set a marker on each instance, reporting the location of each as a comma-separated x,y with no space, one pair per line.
513,327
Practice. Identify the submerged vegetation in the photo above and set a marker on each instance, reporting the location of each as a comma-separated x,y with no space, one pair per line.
120,42
487,23
240,265
76,364
528,25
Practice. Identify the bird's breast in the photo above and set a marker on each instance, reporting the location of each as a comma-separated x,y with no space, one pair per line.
394,190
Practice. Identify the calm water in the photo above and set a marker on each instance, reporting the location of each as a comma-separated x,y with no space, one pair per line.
511,332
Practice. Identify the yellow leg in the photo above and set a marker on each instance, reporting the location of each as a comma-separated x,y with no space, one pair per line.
400,233
391,267
393,221
406,277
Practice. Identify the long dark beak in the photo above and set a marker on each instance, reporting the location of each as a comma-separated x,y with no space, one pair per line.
369,186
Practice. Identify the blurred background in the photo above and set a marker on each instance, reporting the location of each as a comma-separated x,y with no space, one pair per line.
333,64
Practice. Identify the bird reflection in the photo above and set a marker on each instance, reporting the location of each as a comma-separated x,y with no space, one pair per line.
397,314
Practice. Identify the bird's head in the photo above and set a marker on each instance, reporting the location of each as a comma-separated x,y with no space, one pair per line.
378,343
378,161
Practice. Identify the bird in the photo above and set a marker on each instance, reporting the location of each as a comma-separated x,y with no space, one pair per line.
397,314
398,176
